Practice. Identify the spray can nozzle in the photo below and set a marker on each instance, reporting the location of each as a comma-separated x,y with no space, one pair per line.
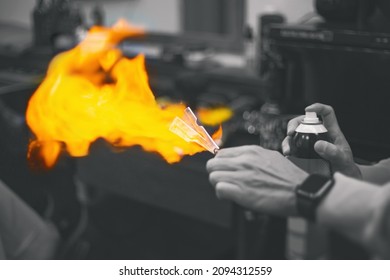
311,117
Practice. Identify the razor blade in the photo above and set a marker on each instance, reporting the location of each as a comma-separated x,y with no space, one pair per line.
189,130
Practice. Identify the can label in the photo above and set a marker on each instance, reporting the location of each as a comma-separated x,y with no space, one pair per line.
303,144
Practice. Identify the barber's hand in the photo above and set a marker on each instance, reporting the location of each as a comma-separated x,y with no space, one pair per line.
338,152
256,178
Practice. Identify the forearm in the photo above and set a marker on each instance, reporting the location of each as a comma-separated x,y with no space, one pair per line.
358,210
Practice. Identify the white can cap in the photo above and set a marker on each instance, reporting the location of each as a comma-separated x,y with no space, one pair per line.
311,117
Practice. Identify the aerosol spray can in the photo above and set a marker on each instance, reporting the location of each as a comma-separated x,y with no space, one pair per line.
306,240
302,152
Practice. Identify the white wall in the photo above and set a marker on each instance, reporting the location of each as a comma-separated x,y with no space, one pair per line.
292,9
154,15
158,15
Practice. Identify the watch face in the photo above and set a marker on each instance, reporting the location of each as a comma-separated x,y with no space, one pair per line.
313,187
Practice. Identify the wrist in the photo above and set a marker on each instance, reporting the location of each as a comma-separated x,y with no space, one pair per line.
354,171
310,194
348,198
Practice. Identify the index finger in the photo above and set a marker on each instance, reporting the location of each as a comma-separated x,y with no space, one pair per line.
236,151
324,110
328,116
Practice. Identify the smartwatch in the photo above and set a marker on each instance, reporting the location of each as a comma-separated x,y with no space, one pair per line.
310,193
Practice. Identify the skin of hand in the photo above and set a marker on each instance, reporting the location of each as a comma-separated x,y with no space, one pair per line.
338,152
256,178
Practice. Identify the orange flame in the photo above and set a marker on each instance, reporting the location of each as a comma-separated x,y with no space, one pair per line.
214,116
91,92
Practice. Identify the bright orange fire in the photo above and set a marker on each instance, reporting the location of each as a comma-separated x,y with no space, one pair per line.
214,116
93,92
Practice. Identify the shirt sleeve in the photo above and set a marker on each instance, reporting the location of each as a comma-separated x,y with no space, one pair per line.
378,173
361,211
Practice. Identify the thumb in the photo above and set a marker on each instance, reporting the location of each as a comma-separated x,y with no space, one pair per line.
329,152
